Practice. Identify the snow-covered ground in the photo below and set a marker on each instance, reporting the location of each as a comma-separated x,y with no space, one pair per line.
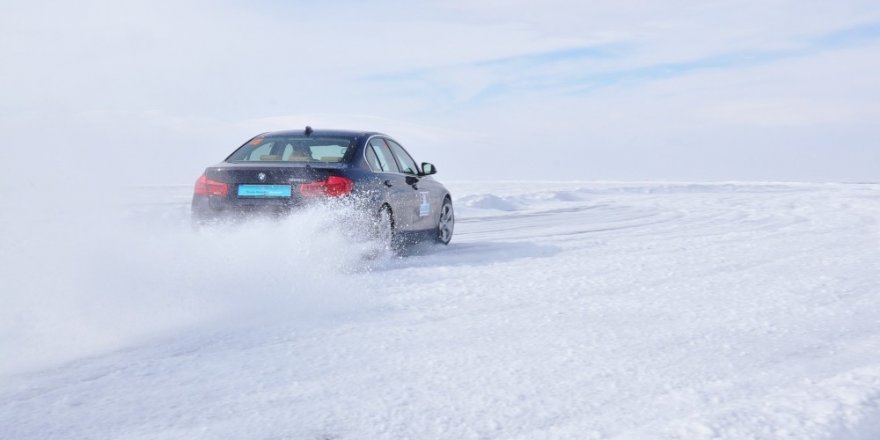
560,310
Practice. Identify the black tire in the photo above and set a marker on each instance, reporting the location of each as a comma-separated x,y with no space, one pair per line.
446,222
383,231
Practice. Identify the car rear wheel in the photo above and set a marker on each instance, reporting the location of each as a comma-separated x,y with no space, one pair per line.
446,224
384,228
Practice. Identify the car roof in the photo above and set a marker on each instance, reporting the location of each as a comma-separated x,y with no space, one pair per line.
322,133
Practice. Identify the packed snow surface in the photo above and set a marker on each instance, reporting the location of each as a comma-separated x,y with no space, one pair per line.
560,310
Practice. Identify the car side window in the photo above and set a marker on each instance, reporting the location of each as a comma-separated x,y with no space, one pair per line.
372,160
384,156
407,164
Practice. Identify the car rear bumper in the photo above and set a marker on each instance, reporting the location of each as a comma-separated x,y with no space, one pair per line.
207,209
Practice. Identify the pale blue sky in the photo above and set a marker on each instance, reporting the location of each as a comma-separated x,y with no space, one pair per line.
527,73
633,90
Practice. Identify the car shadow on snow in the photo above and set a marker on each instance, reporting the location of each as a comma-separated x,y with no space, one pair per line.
465,254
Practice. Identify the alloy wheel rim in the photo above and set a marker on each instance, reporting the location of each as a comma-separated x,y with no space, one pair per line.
447,222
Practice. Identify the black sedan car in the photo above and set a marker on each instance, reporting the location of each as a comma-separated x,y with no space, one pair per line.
276,172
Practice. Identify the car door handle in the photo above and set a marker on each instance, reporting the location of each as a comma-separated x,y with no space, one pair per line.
388,183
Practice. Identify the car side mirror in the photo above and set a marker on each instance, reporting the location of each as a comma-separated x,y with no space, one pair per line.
428,169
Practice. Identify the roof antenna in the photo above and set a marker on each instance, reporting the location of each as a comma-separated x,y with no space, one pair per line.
309,130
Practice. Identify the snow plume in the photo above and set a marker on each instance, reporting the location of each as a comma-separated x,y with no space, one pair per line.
78,283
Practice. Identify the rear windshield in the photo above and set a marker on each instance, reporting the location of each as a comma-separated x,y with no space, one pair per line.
293,149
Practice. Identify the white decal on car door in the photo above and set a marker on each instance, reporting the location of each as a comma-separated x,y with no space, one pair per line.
424,206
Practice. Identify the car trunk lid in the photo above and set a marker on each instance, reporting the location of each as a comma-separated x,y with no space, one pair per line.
268,184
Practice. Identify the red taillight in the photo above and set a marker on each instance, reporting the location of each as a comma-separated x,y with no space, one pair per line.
334,186
208,187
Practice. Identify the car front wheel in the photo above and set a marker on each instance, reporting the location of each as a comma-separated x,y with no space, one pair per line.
447,222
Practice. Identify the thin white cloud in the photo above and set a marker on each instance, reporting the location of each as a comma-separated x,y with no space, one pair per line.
190,81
